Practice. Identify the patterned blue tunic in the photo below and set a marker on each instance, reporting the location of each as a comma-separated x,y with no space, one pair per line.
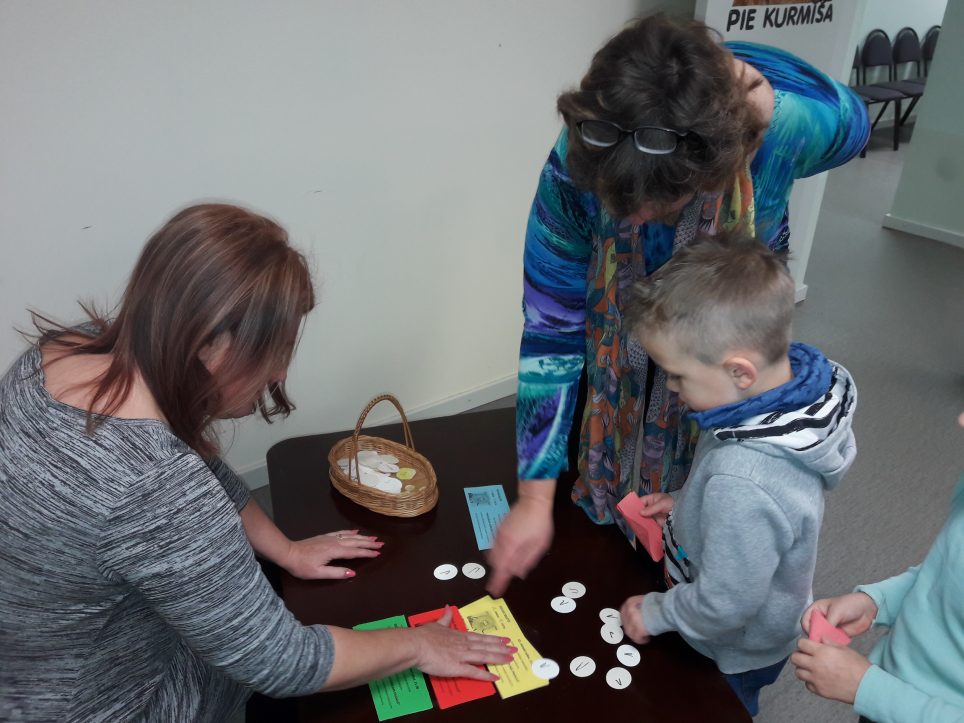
578,259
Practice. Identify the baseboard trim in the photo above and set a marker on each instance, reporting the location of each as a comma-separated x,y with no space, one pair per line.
256,475
946,235
801,293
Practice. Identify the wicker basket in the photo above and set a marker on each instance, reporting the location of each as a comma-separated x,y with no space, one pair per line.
415,502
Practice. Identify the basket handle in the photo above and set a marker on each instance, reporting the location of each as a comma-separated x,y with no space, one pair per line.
361,420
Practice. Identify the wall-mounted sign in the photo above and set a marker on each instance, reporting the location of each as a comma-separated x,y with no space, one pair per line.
818,31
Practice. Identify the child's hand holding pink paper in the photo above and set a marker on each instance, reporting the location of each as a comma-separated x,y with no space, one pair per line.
853,613
656,506
646,515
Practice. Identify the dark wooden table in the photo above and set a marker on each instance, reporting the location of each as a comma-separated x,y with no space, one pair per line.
671,683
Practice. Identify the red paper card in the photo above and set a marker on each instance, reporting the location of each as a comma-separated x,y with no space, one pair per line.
452,691
821,629
648,531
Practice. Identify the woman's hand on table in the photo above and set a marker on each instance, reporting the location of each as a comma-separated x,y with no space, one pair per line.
523,536
434,648
448,653
632,618
309,558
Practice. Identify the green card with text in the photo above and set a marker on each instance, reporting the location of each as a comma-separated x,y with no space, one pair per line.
402,693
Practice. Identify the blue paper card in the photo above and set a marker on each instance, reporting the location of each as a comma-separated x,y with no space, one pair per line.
487,507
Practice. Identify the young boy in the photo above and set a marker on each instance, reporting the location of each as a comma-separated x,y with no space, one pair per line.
916,672
740,537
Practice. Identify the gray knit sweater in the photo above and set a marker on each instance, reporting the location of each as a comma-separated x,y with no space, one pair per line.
128,590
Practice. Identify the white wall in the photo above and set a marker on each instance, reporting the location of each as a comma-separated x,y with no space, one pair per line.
930,192
399,142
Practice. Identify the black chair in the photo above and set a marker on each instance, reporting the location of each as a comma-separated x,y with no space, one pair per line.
877,52
929,46
907,49
873,94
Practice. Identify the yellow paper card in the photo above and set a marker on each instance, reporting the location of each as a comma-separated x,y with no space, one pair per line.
493,617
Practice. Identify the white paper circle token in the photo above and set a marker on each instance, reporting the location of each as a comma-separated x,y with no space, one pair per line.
618,678
573,590
563,604
583,666
628,655
545,668
611,615
473,570
611,633
446,572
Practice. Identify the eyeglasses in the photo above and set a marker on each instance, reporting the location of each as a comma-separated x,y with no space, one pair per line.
648,139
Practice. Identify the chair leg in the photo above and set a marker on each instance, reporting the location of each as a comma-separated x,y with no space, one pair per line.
907,113
882,109
896,124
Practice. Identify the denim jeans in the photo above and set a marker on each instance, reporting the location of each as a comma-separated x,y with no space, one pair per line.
747,685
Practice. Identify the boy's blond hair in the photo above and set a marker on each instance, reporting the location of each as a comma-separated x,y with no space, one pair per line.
715,296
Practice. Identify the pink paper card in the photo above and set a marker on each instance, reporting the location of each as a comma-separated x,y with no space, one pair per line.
452,691
648,531
820,629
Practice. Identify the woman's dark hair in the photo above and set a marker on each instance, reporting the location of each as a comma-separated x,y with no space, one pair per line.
669,73
212,269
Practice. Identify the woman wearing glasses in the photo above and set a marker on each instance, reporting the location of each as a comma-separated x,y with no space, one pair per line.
669,134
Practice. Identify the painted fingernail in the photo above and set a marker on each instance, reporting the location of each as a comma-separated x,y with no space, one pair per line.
506,640
349,573
513,649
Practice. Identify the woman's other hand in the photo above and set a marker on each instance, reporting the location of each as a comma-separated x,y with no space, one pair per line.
523,536
853,613
309,559
448,653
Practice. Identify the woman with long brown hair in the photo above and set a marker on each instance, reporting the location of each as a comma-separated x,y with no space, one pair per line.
130,586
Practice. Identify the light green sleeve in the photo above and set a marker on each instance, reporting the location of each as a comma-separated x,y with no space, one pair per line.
889,594
883,698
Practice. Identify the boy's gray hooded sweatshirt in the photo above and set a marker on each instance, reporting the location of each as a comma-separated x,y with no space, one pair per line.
741,541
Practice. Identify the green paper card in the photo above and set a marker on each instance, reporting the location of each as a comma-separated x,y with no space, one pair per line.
402,693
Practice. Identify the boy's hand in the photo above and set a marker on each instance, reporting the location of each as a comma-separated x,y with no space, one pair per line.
853,613
632,615
657,505
830,671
